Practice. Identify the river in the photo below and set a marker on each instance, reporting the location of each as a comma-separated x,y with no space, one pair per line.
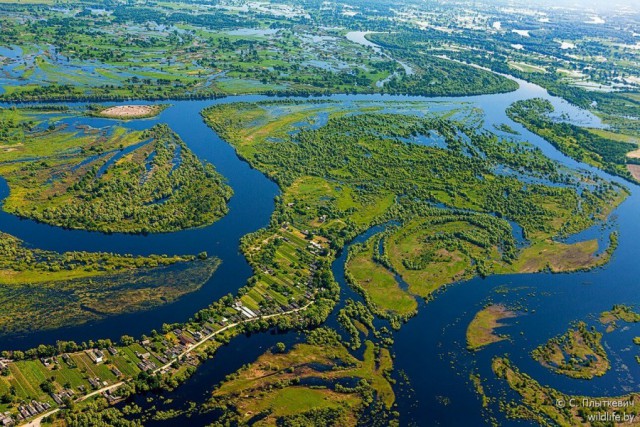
430,348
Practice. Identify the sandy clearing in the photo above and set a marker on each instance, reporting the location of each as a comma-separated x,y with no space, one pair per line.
635,171
634,154
130,111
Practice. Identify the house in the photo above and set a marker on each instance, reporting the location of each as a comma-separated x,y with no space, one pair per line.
96,356
6,420
185,340
64,394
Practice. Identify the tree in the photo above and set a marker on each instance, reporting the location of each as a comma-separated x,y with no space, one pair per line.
47,386
126,340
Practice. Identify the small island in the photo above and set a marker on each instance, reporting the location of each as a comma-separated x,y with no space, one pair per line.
548,406
127,112
619,312
481,330
577,354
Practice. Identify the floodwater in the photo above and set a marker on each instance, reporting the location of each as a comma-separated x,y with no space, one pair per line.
430,348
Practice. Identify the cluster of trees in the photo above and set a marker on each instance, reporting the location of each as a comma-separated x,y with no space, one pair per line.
167,191
52,350
582,353
87,36
12,130
572,140
369,154
436,76
97,413
373,154
355,311
15,256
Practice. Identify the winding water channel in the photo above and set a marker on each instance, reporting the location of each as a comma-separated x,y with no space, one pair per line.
430,348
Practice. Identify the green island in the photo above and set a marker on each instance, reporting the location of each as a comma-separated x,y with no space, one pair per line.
343,171
47,290
602,149
315,383
619,313
436,75
109,181
548,407
578,353
482,329
366,272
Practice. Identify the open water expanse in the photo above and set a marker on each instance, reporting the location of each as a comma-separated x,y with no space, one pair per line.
430,348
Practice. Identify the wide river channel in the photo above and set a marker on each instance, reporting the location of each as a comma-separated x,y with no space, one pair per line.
430,348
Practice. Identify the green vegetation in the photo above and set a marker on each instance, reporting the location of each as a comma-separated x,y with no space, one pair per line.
481,330
476,380
457,201
168,50
581,144
292,288
578,353
319,381
161,361
596,73
435,75
437,247
288,267
503,127
619,312
379,286
133,182
342,172
46,290
548,407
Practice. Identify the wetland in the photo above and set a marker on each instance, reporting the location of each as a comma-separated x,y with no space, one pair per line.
398,249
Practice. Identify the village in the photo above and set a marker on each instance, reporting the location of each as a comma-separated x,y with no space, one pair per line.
31,388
